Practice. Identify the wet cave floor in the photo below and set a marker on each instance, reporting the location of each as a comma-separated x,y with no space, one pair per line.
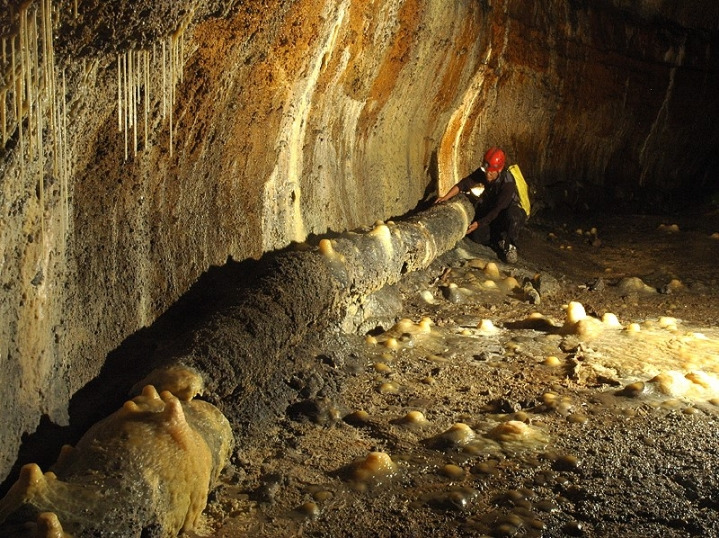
495,407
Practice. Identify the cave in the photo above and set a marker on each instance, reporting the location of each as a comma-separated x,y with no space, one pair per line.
221,213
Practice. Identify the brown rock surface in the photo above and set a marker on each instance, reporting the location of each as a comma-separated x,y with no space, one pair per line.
260,123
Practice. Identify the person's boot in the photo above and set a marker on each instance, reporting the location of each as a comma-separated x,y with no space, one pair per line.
510,253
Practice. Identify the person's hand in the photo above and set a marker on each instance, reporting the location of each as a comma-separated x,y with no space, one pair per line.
473,226
451,193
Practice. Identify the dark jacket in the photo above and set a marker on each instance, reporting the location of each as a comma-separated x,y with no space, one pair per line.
498,195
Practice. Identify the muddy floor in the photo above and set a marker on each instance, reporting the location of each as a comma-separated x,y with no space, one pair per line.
575,393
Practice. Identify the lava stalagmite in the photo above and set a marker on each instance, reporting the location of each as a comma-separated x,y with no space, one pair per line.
148,466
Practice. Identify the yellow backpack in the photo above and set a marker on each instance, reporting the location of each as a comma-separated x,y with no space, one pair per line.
522,188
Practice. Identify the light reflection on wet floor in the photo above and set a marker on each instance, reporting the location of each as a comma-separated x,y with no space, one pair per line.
425,424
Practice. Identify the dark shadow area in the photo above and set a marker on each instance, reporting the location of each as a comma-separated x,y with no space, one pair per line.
168,337
41,447
576,199
431,192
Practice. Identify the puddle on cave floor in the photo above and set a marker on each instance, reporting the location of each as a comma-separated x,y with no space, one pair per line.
481,413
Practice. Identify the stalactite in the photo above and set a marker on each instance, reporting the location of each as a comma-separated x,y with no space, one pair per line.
134,95
56,127
3,95
39,109
171,103
37,120
139,84
49,76
30,115
34,115
164,83
18,84
128,92
138,78
65,153
24,72
181,62
126,101
63,158
133,98
3,115
134,91
59,161
13,77
146,57
119,93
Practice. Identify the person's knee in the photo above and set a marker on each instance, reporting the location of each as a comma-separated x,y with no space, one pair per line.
480,235
517,214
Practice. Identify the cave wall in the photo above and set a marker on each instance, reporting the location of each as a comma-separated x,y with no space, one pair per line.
160,139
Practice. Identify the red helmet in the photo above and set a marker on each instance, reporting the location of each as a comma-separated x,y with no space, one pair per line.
494,160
